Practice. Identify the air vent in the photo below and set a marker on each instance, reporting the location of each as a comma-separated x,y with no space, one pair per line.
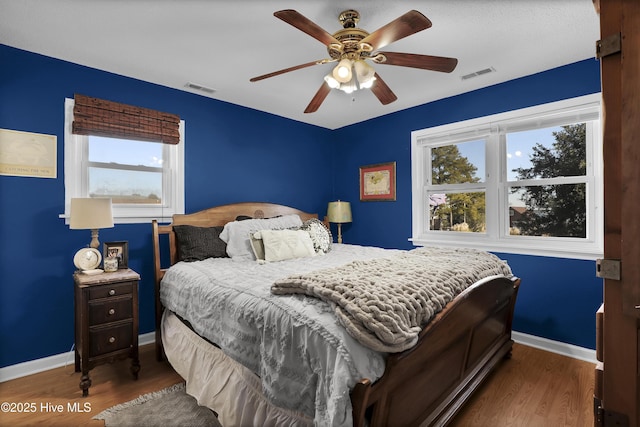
478,73
199,88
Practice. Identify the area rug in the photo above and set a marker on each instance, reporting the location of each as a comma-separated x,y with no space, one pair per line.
169,407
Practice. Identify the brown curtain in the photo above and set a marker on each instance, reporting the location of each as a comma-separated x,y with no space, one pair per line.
93,116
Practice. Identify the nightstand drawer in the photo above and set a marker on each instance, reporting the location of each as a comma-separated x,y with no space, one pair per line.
111,290
110,309
108,339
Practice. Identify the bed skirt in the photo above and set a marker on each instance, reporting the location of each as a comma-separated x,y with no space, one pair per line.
220,383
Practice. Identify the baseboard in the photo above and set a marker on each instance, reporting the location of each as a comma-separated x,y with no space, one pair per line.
51,362
64,359
557,347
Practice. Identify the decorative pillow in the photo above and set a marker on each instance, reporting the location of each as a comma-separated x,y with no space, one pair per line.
320,235
280,245
257,245
198,243
236,233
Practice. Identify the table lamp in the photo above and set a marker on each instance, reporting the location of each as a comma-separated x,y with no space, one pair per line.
91,214
339,212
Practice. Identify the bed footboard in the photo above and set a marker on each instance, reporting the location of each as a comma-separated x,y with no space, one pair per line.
427,384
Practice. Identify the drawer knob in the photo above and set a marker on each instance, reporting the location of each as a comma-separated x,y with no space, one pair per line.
112,340
112,311
112,292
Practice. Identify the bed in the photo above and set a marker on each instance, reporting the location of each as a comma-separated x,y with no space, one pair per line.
423,380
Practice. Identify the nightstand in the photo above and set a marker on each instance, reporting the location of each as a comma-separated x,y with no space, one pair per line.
106,318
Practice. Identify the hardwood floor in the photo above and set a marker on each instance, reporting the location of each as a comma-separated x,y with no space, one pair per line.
534,388
111,384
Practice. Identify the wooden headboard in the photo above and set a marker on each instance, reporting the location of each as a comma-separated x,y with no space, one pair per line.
219,215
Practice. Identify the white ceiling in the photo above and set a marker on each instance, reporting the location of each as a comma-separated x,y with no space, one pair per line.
222,44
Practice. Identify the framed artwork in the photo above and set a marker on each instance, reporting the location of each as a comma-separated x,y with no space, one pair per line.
27,154
118,250
378,182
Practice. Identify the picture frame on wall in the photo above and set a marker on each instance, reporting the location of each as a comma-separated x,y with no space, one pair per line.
378,182
118,250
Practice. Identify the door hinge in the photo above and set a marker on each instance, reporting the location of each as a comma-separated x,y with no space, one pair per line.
608,268
598,412
604,418
609,45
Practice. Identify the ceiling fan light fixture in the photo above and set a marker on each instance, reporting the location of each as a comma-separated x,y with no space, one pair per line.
365,73
367,84
331,82
342,72
350,86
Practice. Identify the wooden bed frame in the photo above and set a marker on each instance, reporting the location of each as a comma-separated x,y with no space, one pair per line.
425,385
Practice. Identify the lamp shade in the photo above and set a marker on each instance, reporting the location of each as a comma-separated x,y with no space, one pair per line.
90,214
365,73
331,81
342,72
339,212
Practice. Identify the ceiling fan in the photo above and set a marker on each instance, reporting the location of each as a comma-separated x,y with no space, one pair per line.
352,46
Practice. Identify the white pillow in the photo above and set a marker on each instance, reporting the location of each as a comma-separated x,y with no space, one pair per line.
280,245
236,233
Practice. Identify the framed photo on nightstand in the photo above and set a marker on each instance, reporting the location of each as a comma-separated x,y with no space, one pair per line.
118,250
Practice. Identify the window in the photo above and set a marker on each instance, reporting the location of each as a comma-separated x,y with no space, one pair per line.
526,181
145,180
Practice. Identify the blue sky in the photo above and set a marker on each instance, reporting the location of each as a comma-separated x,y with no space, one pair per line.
519,149
125,152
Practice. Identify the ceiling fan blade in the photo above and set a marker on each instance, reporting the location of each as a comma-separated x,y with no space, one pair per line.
425,62
382,91
409,23
305,25
318,98
286,70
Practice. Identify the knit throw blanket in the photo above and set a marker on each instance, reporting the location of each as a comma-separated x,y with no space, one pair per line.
384,303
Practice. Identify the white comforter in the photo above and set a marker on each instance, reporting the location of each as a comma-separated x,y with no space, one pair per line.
306,361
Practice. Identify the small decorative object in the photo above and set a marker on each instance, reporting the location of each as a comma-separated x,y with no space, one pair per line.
339,212
111,264
119,251
87,259
378,182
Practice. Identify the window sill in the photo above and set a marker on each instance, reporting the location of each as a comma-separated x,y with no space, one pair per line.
130,219
587,250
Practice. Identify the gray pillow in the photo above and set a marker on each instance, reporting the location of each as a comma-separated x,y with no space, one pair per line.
198,243
236,233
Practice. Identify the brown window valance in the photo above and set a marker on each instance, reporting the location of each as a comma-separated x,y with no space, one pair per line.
93,116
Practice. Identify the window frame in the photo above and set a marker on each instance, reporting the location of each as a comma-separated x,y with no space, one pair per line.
76,177
494,128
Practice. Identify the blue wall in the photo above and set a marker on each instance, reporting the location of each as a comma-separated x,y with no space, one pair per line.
558,297
232,154
238,154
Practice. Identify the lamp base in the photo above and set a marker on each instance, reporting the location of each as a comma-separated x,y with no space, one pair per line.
339,233
95,243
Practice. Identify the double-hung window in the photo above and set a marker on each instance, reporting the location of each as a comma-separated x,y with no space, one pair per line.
145,180
527,181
